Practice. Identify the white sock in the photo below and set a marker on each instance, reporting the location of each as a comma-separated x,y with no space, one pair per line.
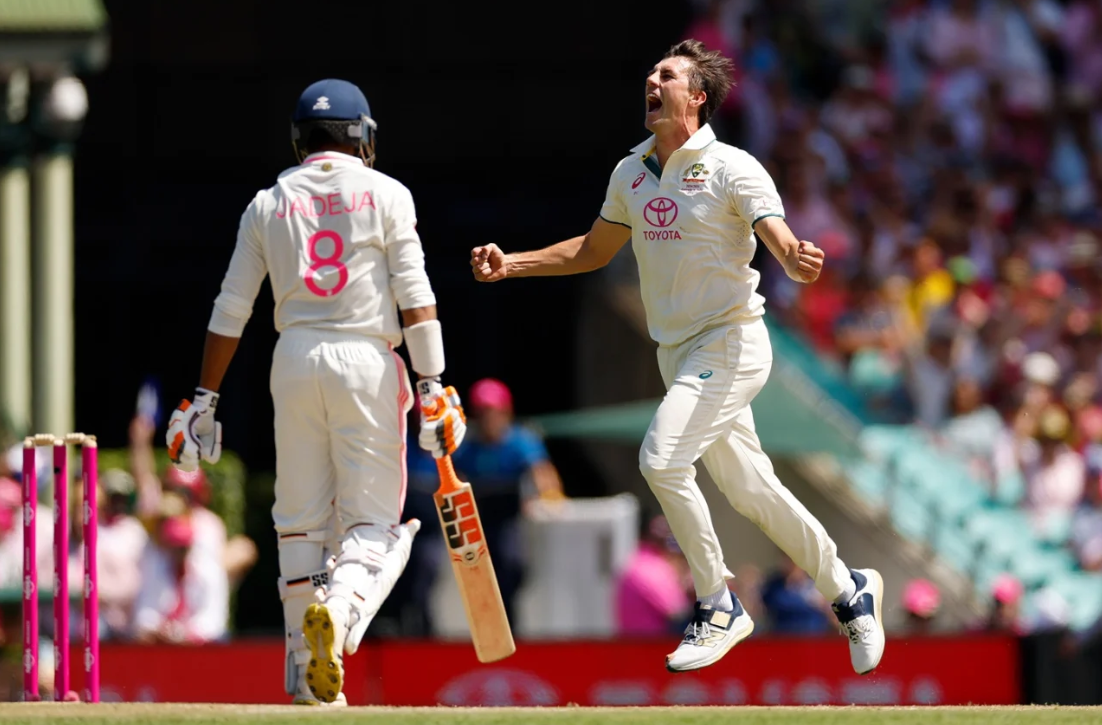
721,600
848,593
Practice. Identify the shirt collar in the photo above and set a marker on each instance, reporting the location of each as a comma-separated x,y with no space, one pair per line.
704,136
331,156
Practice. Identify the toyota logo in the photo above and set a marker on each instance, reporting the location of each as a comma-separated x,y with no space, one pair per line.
660,212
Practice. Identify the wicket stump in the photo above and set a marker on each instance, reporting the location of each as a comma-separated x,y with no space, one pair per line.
89,461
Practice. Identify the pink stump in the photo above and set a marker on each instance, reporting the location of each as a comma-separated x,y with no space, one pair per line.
91,583
30,575
61,570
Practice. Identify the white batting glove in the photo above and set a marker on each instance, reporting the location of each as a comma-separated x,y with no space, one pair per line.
443,423
193,434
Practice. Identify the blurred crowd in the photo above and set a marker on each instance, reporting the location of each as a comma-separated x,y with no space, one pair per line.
166,567
654,597
947,156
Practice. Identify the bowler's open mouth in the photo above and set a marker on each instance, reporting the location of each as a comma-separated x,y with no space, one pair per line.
653,102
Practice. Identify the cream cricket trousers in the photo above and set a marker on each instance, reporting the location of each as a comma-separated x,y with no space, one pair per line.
710,382
341,403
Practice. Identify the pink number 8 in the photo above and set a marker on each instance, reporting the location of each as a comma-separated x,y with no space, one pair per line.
319,263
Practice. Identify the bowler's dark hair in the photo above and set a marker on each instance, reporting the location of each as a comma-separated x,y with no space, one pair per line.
711,72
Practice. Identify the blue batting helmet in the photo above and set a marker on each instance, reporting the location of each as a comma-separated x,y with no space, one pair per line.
340,109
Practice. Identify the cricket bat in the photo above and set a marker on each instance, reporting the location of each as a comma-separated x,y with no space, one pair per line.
474,571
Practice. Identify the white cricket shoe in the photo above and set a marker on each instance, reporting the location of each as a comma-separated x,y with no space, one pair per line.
324,635
710,635
862,620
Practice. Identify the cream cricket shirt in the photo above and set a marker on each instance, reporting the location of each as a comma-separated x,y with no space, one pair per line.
692,232
340,243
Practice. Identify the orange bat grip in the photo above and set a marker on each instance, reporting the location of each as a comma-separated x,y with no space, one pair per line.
449,480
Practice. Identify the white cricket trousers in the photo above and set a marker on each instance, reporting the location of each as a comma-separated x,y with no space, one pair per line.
341,403
710,382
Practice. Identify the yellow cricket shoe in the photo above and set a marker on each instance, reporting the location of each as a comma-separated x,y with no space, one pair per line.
325,673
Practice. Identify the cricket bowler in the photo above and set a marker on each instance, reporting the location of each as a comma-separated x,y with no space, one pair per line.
692,206
339,242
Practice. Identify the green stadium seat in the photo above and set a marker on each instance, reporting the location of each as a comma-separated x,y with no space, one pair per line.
1056,530
953,498
1039,567
1010,489
884,442
868,477
1083,593
954,548
1001,535
909,516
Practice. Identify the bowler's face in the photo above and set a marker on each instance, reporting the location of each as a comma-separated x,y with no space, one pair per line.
668,94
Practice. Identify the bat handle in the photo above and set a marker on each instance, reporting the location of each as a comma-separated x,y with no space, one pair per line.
449,480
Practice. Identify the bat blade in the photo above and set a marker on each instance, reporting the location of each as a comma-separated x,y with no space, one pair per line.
474,573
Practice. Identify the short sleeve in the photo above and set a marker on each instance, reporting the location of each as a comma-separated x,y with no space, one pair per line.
752,191
614,210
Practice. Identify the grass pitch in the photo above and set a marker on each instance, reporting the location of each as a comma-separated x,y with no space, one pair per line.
171,714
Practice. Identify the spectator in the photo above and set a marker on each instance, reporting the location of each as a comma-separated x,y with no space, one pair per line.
1006,600
973,429
11,534
1054,472
871,339
237,554
652,595
930,376
508,466
921,602
121,540
182,599
793,603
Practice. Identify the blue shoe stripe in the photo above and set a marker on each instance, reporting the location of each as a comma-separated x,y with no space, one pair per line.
863,605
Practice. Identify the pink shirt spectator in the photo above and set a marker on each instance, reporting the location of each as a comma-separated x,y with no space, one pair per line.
118,555
649,594
1056,487
192,605
210,534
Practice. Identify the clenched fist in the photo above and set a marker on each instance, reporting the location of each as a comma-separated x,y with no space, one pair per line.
488,263
809,263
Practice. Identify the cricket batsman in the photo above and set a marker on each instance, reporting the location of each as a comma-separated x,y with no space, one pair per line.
339,241
692,206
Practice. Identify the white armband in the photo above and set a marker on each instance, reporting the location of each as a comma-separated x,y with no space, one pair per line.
426,348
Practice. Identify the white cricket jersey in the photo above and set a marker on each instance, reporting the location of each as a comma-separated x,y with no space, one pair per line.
692,231
339,241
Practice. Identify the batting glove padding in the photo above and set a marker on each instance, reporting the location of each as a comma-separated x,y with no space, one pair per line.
193,433
443,423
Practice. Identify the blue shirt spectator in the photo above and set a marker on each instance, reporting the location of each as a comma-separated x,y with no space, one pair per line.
793,603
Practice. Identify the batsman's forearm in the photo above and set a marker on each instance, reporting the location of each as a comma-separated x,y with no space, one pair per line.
572,256
414,315
217,354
